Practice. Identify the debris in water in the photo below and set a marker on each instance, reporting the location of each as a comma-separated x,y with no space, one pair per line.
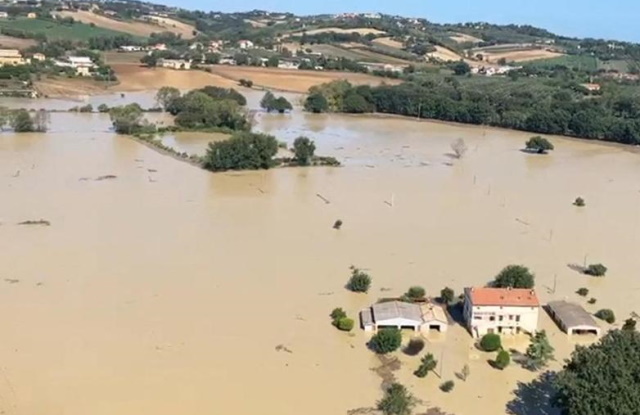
337,224
152,170
107,177
327,201
11,281
283,348
40,222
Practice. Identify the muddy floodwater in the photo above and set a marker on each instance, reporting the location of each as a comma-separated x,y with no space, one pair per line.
167,289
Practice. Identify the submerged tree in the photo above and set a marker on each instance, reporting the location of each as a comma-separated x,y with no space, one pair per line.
459,148
397,400
359,282
243,151
386,340
21,121
427,364
166,95
539,145
304,150
539,351
514,276
127,119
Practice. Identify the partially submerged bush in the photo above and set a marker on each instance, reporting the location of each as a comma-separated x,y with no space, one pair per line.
447,386
592,301
606,315
359,282
337,224
583,292
414,347
502,359
579,202
539,145
514,276
345,324
386,340
396,401
427,364
447,295
490,342
596,270
415,293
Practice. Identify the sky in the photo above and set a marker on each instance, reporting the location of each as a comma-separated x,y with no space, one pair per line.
609,19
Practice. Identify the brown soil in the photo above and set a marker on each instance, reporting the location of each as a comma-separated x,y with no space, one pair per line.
462,38
387,41
362,30
521,55
58,87
134,77
16,43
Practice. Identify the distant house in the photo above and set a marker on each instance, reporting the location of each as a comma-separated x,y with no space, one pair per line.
288,65
82,64
386,67
245,44
39,56
227,60
398,314
31,15
11,57
591,87
500,310
174,63
4,15
131,48
572,318
216,45
159,46
372,15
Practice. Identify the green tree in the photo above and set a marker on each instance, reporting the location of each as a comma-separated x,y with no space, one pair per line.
427,364
607,315
355,103
461,68
103,108
359,282
272,62
447,386
514,276
415,293
267,101
629,324
397,401
602,378
21,122
583,292
490,342
197,110
502,359
386,340
579,202
596,270
166,95
304,150
447,295
243,151
127,119
345,324
539,351
539,145
337,314
316,103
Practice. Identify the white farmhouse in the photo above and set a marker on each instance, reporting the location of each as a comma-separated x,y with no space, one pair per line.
82,64
500,310
245,44
398,314
174,63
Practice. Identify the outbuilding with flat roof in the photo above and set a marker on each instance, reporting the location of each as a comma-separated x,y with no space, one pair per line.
571,318
399,314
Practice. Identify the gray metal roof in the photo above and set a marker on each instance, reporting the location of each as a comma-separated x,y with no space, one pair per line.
396,309
571,315
366,318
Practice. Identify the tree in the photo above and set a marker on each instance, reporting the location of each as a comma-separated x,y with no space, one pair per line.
267,100
304,149
447,295
127,119
502,359
397,401
41,120
579,202
465,372
345,324
243,151
447,386
386,340
414,347
359,282
607,315
281,105
514,276
21,122
337,314
355,103
459,148
596,270
538,145
583,292
166,95
539,351
461,68
103,108
198,110
415,293
272,62
427,364
490,342
316,103
629,325
602,378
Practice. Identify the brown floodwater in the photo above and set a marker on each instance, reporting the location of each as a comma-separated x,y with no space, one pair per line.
168,289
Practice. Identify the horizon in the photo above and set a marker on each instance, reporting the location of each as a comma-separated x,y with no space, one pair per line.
571,18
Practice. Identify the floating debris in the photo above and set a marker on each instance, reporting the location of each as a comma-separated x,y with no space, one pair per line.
107,177
327,201
152,170
40,222
11,281
338,224
283,348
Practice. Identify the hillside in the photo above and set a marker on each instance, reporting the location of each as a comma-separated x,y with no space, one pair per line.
54,30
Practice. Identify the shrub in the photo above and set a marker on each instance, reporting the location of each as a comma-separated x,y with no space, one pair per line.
386,340
592,300
502,360
539,351
338,313
414,347
459,148
427,364
514,276
583,292
243,151
606,315
345,324
447,386
539,145
359,282
629,325
337,224
415,293
396,401
579,202
596,270
316,103
21,122
304,149
490,342
447,295
103,108
247,83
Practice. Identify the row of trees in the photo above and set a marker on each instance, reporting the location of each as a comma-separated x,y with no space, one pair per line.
542,106
23,121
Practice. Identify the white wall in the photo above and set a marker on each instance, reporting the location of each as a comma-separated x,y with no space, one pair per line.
479,321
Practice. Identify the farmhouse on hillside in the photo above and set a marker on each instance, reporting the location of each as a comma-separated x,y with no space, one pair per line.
11,57
572,318
500,310
245,44
398,314
31,15
82,64
174,63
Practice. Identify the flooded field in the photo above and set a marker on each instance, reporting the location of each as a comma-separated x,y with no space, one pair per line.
167,289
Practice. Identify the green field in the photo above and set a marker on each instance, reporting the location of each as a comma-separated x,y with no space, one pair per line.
57,31
587,63
356,54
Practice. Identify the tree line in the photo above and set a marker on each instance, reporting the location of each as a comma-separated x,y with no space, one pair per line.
540,106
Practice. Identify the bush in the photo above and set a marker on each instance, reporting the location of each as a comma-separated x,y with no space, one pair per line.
247,83
22,122
359,282
337,224
415,293
447,386
596,270
103,108
606,315
427,364
345,324
338,313
243,151
592,301
414,347
539,145
514,276
502,360
629,325
396,401
579,202
490,342
386,340
86,108
447,295
316,103
304,149
582,292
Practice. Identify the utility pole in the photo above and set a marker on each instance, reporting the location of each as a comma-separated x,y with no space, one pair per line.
555,281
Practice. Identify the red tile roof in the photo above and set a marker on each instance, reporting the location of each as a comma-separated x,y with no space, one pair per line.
513,297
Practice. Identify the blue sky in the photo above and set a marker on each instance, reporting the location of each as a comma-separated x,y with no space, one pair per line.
610,19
